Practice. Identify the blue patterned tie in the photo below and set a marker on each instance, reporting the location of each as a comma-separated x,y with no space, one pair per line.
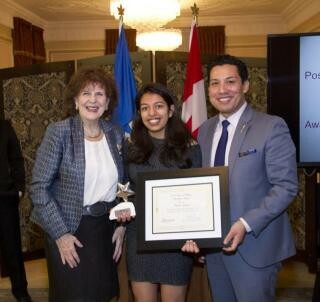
221,149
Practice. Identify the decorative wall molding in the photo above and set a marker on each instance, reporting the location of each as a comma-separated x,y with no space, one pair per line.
67,50
237,25
6,57
299,12
83,31
296,13
311,25
5,33
10,9
247,46
245,33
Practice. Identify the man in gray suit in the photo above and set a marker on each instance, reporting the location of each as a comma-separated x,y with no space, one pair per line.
261,159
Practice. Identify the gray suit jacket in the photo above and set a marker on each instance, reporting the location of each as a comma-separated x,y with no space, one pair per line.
58,175
262,183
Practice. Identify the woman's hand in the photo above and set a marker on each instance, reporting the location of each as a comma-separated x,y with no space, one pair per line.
190,247
117,238
124,216
66,245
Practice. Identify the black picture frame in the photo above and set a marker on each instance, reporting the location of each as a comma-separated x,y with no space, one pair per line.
183,187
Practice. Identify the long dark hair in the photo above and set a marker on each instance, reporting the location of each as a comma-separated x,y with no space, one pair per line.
177,137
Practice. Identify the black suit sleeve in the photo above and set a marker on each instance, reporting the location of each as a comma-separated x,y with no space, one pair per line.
15,160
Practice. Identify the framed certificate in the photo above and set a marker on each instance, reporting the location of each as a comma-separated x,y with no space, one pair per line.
176,205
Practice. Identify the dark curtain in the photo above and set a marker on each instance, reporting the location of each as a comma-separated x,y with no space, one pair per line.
22,42
211,39
39,52
112,36
28,43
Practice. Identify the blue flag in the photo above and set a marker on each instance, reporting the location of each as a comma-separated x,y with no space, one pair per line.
125,110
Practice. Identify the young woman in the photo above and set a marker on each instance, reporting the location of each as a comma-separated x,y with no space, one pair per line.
159,141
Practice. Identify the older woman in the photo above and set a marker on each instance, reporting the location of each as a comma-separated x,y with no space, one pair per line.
75,177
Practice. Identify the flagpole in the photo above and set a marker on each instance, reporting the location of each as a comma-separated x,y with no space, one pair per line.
120,13
194,22
195,13
124,77
194,111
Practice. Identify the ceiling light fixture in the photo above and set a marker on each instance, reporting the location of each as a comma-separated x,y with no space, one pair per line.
148,18
161,40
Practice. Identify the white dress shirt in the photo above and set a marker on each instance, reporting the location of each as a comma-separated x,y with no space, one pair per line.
101,174
233,120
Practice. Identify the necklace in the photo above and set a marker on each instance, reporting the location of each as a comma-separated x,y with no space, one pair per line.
89,136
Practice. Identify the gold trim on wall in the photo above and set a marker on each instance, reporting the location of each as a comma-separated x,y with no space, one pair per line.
6,57
66,50
5,33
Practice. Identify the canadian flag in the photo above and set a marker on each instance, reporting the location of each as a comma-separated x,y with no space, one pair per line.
194,109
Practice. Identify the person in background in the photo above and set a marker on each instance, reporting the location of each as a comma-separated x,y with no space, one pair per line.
159,141
261,158
75,176
12,186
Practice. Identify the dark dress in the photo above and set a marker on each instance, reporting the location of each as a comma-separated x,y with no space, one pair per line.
95,279
172,268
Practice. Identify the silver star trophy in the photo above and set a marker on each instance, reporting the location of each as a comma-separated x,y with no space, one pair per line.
126,206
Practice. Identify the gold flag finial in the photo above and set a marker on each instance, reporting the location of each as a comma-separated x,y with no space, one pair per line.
195,12
120,11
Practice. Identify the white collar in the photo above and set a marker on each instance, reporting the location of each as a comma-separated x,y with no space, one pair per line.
235,117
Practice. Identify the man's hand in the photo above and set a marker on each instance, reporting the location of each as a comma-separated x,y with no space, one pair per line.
66,245
234,237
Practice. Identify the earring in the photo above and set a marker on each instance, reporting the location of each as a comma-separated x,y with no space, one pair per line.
77,106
